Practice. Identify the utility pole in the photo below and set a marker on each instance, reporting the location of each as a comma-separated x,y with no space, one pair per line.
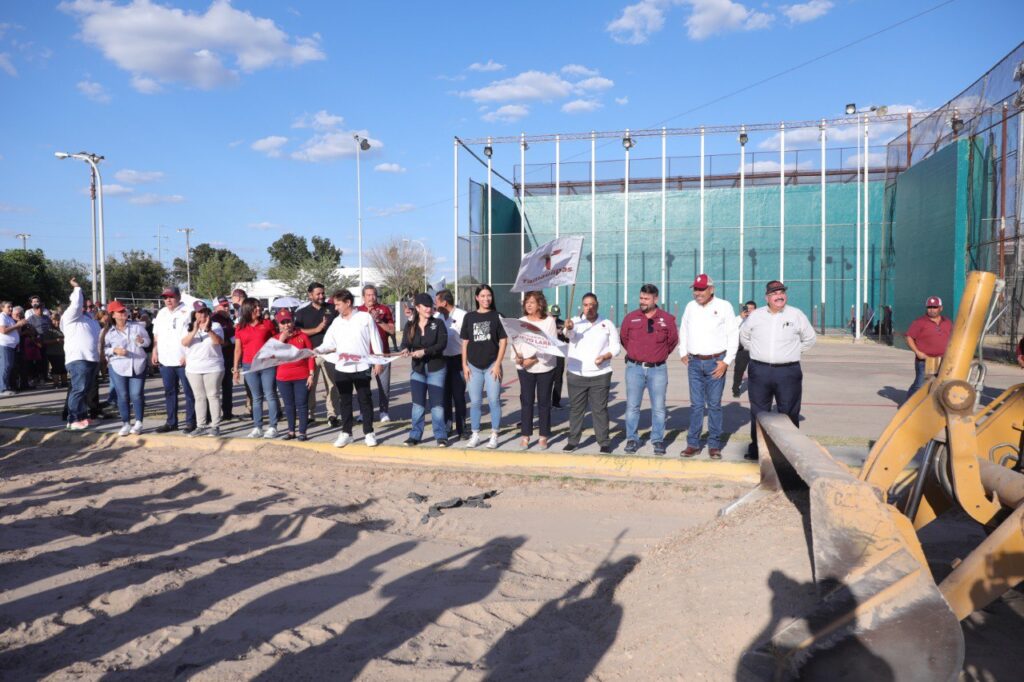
23,236
188,257
159,245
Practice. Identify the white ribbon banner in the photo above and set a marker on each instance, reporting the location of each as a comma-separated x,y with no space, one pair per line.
276,353
553,264
358,359
533,336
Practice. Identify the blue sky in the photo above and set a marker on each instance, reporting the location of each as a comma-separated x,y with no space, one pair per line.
236,118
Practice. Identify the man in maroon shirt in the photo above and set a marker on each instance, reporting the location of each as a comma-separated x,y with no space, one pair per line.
381,314
648,334
928,337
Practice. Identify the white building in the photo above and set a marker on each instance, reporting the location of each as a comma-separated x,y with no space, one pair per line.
270,289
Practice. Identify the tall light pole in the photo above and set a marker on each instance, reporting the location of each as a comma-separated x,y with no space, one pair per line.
23,236
426,283
362,145
93,161
159,245
188,257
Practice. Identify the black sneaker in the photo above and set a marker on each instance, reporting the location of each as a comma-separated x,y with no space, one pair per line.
311,422
569,447
750,455
287,436
301,437
659,449
165,428
631,447
606,449
334,422
409,442
441,443
735,394
188,430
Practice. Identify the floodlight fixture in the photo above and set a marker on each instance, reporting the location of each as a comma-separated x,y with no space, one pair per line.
956,123
628,142
744,138
488,151
851,109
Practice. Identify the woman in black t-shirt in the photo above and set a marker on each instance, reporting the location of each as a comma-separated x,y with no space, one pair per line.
483,349
424,340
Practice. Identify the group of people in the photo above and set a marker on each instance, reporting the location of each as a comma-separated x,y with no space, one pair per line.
201,352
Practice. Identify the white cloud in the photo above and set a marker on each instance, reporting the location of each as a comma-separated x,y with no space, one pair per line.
11,208
264,225
489,65
454,79
321,120
154,199
622,101
529,85
94,91
270,145
578,70
333,144
159,44
843,135
581,106
114,190
508,113
875,160
389,168
710,17
391,210
769,166
807,11
136,177
595,83
638,22
7,66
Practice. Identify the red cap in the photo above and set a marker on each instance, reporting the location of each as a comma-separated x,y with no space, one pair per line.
702,282
933,302
115,306
171,291
283,315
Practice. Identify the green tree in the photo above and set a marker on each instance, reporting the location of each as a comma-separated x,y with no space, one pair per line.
217,274
297,278
288,251
201,253
25,273
325,252
136,273
291,257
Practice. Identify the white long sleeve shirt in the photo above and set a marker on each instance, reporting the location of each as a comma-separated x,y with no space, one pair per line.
168,328
779,337
709,329
453,325
356,334
589,340
81,332
134,362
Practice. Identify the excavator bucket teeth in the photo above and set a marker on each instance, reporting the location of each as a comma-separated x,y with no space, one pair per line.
880,615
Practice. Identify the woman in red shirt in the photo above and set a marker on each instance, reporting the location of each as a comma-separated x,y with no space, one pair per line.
294,379
251,334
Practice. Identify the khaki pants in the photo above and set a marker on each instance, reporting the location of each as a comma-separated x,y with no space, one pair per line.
323,373
207,392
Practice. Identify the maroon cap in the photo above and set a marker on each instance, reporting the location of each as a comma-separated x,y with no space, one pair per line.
702,282
171,291
200,305
283,315
773,286
933,302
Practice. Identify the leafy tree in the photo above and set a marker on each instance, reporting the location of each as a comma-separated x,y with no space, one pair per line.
25,273
136,273
400,263
290,256
296,279
325,252
217,274
200,255
288,251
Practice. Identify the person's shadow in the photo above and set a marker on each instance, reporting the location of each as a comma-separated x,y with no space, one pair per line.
570,634
896,395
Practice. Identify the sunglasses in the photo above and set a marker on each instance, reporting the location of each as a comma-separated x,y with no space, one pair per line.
284,321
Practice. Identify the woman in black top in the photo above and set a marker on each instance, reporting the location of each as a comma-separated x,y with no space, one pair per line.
483,348
424,340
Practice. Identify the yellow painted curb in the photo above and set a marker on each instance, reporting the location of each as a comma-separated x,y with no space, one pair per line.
524,463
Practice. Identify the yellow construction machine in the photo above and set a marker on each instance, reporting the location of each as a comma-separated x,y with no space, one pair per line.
880,613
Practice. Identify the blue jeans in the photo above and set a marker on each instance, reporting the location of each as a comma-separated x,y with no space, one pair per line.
6,366
295,395
919,378
429,386
262,384
82,373
129,389
172,377
655,380
478,378
705,391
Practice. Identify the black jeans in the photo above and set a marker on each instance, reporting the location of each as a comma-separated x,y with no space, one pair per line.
535,387
455,393
227,383
360,381
556,382
784,385
738,369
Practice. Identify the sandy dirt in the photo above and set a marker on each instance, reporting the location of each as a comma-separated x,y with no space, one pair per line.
122,562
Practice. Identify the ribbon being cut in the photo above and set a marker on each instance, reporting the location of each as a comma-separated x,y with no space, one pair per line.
274,353
532,335
550,265
356,359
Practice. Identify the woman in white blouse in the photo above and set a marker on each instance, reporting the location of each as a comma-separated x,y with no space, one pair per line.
536,372
124,345
204,367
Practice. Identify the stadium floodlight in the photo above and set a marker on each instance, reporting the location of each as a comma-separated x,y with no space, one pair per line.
851,109
61,155
361,144
628,142
743,139
956,123
488,151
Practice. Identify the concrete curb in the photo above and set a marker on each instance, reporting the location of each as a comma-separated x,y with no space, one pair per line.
523,463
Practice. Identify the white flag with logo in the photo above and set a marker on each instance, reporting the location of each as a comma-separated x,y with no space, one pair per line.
553,264
274,353
533,336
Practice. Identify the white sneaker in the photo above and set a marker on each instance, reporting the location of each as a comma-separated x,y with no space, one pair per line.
7,394
137,427
370,440
384,418
126,428
474,440
270,433
492,442
343,440
256,433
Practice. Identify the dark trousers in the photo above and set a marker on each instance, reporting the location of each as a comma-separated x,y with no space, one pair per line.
83,379
295,395
172,377
227,385
784,385
556,382
919,378
360,381
455,393
739,368
535,387
592,393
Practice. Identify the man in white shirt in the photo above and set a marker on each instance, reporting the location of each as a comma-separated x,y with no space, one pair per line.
593,342
708,338
353,332
742,354
169,354
776,336
454,381
81,356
